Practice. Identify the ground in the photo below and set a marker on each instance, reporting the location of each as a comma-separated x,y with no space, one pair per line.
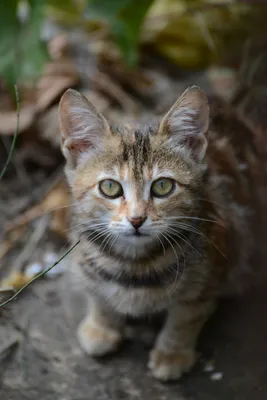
40,357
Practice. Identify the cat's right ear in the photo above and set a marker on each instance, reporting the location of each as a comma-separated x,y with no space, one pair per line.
187,122
82,127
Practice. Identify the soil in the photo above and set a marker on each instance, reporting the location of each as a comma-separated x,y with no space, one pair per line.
40,357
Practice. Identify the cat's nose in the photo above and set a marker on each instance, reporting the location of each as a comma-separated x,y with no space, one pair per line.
137,221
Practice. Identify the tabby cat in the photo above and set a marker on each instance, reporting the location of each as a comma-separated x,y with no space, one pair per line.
160,214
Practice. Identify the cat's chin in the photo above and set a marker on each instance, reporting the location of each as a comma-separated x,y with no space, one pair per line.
136,235
135,245
136,238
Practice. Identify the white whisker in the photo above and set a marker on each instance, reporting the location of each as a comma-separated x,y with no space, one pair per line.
178,265
193,229
111,244
180,236
105,242
90,227
162,244
193,218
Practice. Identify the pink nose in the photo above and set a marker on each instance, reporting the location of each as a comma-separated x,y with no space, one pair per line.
137,221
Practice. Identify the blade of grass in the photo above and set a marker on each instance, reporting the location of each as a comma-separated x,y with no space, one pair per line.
37,277
14,136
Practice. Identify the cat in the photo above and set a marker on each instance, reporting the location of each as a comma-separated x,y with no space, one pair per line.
163,214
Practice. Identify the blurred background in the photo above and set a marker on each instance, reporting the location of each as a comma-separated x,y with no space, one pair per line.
132,59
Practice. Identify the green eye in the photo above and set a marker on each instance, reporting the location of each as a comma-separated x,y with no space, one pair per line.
162,187
110,188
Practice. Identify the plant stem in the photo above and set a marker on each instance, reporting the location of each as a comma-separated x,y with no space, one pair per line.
37,277
15,135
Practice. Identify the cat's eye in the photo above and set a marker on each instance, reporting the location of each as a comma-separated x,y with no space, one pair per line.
162,187
110,188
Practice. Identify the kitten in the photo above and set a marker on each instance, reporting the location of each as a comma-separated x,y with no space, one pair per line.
163,216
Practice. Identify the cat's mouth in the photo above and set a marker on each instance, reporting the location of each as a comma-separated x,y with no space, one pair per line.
136,234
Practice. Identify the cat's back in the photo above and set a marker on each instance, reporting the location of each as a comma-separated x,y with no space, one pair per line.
236,181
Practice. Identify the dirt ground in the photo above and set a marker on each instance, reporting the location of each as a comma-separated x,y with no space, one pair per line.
40,357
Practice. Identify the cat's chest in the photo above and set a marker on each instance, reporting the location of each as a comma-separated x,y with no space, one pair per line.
134,301
131,291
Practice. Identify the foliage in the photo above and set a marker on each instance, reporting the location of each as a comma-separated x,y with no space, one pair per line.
193,33
125,18
23,53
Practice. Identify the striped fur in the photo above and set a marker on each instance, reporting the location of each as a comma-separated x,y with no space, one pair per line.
187,247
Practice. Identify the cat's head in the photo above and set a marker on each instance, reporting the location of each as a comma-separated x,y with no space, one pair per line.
133,185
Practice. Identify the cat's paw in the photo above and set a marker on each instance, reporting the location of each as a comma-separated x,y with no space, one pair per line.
170,366
96,340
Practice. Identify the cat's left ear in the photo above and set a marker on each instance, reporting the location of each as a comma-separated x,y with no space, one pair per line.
187,122
82,127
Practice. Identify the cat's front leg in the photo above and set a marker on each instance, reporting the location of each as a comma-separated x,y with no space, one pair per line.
100,332
174,351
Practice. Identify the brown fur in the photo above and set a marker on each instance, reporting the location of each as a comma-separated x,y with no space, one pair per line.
183,267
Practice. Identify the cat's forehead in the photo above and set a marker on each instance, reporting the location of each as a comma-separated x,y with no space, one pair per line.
132,132
135,154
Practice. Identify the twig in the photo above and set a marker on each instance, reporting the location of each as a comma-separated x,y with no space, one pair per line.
37,277
15,135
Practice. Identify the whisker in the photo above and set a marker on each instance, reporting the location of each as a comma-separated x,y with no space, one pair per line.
180,236
111,244
107,240
164,250
210,201
170,236
98,236
194,218
178,264
67,206
87,226
193,229
179,272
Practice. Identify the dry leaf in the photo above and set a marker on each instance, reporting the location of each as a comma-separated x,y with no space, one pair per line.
58,46
48,123
59,222
16,280
135,80
100,102
59,75
8,120
7,244
106,85
48,126
223,81
57,199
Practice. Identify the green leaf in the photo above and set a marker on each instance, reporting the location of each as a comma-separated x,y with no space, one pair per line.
66,6
106,9
32,50
65,11
125,18
9,32
22,53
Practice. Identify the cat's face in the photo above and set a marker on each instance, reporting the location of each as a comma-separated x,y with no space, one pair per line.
132,184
